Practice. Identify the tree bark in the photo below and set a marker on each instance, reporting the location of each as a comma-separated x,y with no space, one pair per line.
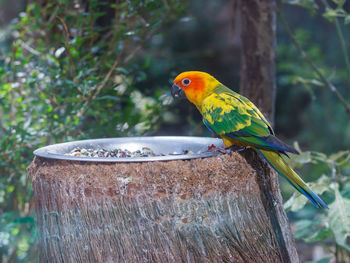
216,209
258,22
258,83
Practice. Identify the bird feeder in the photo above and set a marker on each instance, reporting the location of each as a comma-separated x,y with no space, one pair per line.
178,202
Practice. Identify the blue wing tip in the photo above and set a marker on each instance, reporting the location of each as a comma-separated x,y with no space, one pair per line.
315,199
322,204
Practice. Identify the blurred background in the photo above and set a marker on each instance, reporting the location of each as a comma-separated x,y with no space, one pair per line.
72,70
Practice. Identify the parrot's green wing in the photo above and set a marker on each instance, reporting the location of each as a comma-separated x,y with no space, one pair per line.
228,113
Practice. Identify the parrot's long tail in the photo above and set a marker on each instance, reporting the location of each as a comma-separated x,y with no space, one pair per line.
277,163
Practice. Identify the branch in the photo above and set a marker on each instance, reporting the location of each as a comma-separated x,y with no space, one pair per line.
29,48
116,62
100,87
312,64
67,45
342,41
149,35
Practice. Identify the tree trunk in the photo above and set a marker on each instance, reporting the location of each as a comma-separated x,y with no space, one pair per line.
258,22
258,83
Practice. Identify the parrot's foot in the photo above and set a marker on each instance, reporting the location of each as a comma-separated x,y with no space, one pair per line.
222,149
235,148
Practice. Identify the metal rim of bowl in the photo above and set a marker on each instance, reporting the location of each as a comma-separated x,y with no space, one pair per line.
166,145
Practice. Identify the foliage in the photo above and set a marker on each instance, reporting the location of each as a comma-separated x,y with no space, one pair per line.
70,73
331,227
308,99
89,68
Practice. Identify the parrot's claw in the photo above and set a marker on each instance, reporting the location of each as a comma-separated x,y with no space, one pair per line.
221,149
235,148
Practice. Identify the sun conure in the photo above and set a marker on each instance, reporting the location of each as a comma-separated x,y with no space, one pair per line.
238,122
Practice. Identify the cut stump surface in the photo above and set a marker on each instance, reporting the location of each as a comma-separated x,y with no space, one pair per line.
217,209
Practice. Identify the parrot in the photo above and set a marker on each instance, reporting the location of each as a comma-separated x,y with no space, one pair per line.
239,123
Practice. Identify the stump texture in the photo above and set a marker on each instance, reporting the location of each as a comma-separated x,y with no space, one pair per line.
217,209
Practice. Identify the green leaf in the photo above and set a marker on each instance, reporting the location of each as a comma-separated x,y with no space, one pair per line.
295,202
339,2
52,60
304,228
308,4
347,20
319,235
321,185
338,155
330,13
320,157
297,146
302,158
339,218
5,88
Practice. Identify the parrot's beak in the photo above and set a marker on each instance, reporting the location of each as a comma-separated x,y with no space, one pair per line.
177,92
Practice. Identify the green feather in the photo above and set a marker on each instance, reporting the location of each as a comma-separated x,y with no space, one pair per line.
226,112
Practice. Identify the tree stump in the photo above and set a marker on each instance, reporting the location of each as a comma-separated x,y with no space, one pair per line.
217,209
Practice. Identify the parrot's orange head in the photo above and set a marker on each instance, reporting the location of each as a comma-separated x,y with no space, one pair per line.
194,85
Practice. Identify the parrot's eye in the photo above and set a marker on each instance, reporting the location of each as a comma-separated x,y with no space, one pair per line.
186,82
